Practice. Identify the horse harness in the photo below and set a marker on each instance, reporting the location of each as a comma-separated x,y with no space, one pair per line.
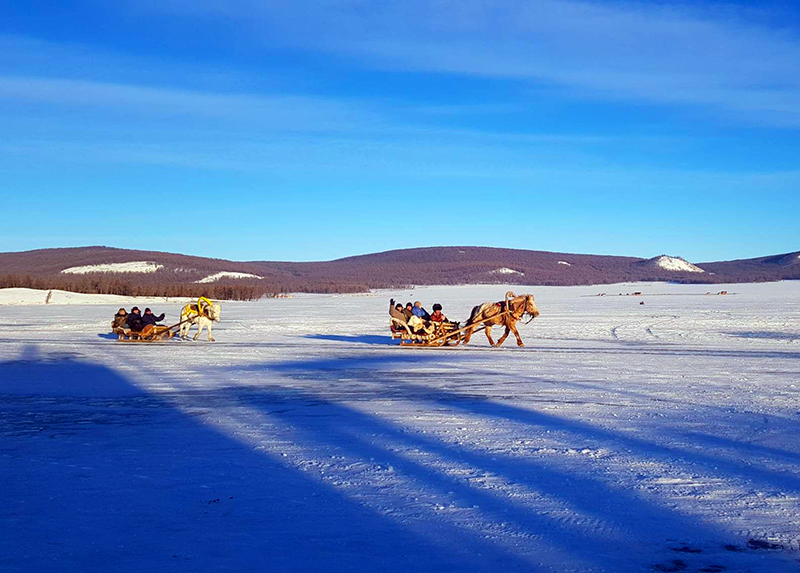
507,306
199,309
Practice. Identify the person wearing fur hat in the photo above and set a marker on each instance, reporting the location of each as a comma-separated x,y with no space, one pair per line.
119,325
120,320
437,315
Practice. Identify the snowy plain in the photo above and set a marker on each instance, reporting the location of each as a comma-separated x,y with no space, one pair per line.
623,437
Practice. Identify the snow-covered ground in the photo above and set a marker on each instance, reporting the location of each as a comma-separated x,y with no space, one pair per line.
131,267
29,296
623,437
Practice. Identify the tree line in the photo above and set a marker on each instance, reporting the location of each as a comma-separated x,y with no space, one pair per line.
224,290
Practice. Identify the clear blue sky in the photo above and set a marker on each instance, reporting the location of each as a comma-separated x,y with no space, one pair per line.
307,130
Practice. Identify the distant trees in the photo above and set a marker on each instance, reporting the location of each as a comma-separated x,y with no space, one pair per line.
102,285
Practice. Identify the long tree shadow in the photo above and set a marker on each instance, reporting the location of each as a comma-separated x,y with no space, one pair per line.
589,494
663,349
97,475
766,335
611,530
364,366
372,339
738,447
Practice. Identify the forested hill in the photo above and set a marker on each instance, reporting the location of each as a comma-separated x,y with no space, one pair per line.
132,272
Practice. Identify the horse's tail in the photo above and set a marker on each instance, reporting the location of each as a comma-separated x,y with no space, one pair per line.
475,312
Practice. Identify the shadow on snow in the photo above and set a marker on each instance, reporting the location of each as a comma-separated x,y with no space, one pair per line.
97,474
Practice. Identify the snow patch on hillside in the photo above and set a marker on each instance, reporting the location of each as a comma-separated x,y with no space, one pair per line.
677,264
131,267
227,275
505,271
564,263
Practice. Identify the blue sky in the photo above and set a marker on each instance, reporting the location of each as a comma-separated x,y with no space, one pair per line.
314,130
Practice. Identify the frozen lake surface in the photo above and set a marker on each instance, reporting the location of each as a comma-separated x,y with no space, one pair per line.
623,437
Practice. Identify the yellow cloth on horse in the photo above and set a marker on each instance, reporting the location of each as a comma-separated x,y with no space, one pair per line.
200,308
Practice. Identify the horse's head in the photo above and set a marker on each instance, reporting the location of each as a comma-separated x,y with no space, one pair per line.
213,312
530,306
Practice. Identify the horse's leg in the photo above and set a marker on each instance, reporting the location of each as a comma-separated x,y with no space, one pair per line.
199,330
489,334
513,327
467,335
186,327
210,336
505,335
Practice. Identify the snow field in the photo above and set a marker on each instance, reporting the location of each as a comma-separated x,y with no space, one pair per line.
624,437
28,296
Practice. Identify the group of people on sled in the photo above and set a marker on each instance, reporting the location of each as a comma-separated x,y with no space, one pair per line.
125,322
415,318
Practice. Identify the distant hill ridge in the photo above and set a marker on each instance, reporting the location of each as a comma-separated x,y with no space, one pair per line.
153,273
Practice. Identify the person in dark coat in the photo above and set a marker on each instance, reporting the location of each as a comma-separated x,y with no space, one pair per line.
407,310
135,322
150,318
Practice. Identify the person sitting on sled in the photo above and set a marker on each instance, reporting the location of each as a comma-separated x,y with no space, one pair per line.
120,320
119,325
150,318
437,315
420,312
396,312
135,322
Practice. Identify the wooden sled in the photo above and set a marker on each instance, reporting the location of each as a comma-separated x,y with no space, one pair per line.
150,333
443,334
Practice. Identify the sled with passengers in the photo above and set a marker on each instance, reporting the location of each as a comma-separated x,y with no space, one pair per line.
203,313
507,313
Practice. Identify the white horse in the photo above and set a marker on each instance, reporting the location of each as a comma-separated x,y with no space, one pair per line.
203,314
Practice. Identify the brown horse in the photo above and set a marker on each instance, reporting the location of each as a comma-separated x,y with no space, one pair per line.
494,313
